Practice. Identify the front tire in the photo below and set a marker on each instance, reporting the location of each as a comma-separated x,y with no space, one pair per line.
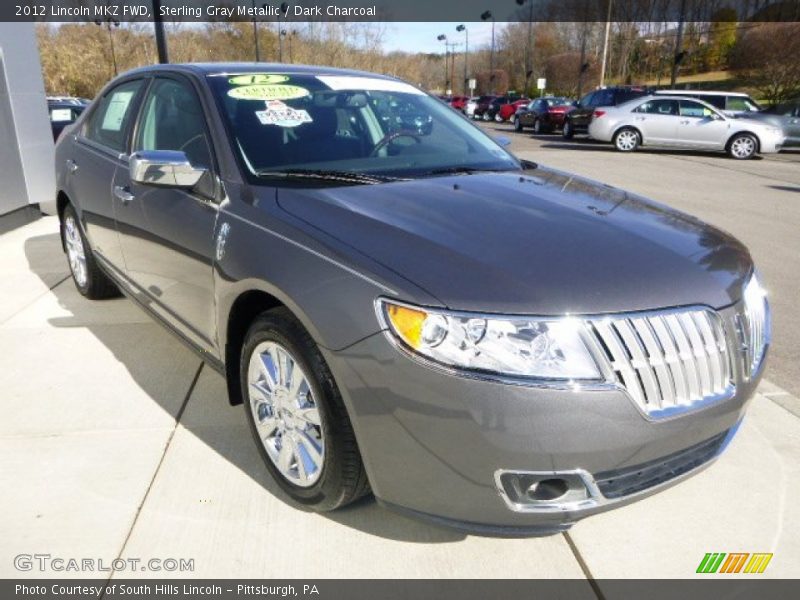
90,280
537,126
297,416
568,132
627,139
743,146
517,124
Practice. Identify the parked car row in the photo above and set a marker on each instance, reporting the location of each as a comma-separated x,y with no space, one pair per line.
630,117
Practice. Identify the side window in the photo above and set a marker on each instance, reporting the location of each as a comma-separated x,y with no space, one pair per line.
604,98
743,104
717,102
690,108
659,107
172,119
588,100
109,123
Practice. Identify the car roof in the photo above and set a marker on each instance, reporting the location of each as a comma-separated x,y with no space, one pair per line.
701,93
226,68
649,97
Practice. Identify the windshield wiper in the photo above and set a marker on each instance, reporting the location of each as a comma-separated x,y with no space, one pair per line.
329,175
464,170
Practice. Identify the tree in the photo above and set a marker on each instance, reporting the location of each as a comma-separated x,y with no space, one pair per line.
765,57
563,71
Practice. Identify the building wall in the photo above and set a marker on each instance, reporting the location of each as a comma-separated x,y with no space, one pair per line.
26,152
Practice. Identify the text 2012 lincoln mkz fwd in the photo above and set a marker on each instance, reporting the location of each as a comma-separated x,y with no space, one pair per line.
402,306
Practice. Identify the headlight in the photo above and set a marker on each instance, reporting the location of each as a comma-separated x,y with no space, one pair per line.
758,322
512,346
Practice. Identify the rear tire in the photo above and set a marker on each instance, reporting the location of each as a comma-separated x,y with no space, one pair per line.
743,146
568,132
537,126
87,275
324,469
627,139
517,124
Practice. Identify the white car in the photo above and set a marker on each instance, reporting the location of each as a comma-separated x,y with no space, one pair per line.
469,107
685,123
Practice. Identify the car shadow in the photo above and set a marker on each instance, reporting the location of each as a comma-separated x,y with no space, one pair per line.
596,146
785,188
208,415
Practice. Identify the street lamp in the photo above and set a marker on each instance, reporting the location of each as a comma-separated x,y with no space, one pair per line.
443,38
284,7
289,35
109,22
485,16
528,44
463,28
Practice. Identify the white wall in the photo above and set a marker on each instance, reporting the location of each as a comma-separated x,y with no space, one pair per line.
26,140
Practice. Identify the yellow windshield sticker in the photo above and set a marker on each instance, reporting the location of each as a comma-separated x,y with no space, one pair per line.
257,79
267,92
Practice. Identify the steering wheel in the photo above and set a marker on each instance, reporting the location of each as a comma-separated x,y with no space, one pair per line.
390,137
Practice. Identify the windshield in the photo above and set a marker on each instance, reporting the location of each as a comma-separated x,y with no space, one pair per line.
349,124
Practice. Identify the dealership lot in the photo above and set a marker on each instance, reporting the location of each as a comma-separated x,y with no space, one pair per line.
115,442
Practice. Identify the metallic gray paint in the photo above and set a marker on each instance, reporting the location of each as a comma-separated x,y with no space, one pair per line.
535,242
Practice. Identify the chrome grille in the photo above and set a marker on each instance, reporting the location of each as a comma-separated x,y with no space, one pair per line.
668,362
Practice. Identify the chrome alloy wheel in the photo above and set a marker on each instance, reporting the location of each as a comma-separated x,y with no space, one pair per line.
743,147
75,251
627,140
286,414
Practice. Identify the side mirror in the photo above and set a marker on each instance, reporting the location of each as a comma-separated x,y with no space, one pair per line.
169,168
503,141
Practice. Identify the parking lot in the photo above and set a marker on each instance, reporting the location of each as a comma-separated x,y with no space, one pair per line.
116,442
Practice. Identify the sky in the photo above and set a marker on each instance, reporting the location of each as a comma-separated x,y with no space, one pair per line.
421,37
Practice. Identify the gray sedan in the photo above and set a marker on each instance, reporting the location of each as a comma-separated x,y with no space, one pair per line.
682,123
785,116
412,312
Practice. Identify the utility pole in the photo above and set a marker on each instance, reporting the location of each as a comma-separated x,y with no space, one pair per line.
443,38
161,38
255,32
605,46
528,45
676,61
582,68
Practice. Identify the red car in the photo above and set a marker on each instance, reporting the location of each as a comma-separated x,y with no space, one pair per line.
508,110
544,115
459,102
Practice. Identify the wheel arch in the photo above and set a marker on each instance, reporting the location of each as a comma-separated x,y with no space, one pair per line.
62,200
244,310
626,126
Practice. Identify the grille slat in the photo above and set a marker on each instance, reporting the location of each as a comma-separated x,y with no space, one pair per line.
667,361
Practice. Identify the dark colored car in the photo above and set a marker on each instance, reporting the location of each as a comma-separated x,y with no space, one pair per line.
578,119
492,112
482,106
407,312
63,114
786,116
543,115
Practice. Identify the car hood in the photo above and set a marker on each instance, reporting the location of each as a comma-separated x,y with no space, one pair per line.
540,243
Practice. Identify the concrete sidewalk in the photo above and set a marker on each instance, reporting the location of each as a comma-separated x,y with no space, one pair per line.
116,442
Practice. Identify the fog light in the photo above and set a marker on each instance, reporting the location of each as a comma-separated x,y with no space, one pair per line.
547,489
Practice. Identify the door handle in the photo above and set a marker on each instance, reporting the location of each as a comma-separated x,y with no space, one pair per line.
72,166
639,118
684,122
123,194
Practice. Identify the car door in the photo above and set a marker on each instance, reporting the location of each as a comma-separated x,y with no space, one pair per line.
98,151
700,126
792,126
167,233
531,111
657,119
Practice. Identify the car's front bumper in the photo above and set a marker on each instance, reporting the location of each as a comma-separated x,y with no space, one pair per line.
435,443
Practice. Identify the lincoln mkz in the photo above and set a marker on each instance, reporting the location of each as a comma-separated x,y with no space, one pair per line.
401,305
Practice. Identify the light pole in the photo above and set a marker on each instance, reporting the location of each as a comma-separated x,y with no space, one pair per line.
284,7
528,44
289,35
679,54
485,16
108,22
255,32
463,28
443,38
